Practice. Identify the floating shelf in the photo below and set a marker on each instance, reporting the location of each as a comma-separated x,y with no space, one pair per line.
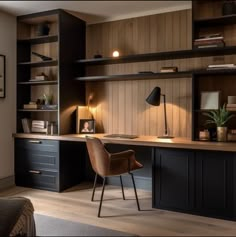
138,76
38,83
40,64
39,40
216,21
191,53
215,72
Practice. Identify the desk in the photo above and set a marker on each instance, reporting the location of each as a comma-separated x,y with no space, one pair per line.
186,176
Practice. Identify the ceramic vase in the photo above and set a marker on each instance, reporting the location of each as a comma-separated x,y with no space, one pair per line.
221,134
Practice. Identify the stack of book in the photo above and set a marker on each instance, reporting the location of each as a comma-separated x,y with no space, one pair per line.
31,105
209,41
39,126
41,77
231,107
169,69
26,125
221,66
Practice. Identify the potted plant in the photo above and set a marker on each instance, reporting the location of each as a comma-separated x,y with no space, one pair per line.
219,118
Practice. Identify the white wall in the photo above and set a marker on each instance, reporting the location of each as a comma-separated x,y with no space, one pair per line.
8,104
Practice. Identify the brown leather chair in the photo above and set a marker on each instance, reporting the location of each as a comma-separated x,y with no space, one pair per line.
107,164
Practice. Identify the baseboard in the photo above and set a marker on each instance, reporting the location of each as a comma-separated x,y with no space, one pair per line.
7,182
140,182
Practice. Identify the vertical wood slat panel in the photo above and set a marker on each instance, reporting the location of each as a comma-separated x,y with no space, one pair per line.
121,105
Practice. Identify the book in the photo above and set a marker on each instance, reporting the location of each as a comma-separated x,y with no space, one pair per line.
231,109
208,42
209,38
218,45
169,69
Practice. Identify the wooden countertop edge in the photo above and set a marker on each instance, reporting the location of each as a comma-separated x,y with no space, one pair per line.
140,141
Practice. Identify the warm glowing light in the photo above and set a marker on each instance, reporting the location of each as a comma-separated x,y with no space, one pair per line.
115,54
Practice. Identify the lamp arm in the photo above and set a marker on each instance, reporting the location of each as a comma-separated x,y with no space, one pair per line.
164,98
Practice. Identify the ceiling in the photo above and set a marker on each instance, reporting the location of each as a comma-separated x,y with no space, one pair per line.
96,11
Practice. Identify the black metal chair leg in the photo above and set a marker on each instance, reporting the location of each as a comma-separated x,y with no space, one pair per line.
100,205
122,188
94,186
136,196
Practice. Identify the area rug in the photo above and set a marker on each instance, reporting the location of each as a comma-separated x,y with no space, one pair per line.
50,226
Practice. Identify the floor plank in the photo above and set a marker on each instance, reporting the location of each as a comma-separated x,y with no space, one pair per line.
74,204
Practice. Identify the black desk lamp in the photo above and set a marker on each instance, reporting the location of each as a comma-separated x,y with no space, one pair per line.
154,99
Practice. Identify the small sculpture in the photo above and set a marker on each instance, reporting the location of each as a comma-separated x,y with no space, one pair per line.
43,57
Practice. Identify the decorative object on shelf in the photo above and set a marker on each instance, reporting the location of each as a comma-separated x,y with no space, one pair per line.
169,69
2,76
219,118
231,99
43,29
26,125
210,100
154,99
40,77
87,126
97,55
43,57
48,99
115,54
39,126
231,135
228,8
31,105
204,135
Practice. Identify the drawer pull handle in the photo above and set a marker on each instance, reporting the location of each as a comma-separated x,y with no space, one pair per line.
35,141
34,172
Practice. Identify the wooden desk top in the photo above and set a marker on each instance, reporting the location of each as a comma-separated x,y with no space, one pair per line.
141,141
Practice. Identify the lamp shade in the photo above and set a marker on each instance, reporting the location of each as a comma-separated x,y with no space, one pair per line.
155,97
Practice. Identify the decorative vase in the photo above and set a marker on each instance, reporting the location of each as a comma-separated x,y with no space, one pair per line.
43,29
221,134
229,8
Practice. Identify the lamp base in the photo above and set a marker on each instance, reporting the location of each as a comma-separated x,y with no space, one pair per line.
165,136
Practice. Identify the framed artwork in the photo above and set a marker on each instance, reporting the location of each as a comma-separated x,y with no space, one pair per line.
87,126
210,100
2,76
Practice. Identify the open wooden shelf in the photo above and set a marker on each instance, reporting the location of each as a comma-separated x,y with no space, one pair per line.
38,83
216,21
181,54
39,40
40,64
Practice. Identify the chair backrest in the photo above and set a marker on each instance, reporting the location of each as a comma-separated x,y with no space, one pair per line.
98,155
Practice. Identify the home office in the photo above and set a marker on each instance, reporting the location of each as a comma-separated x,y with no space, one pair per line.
169,67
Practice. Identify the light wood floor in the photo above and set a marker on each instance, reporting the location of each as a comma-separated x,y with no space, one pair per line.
74,204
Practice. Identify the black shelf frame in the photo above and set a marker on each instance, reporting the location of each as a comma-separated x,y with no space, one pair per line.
37,110
55,82
181,54
39,64
215,21
39,40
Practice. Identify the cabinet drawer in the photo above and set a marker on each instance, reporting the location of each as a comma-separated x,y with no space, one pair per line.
37,144
38,179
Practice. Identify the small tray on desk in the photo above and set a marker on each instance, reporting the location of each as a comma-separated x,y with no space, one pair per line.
128,136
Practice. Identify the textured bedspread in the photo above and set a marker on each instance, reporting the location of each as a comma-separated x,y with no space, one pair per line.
16,217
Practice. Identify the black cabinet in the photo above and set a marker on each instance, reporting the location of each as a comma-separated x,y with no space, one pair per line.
173,179
214,183
48,164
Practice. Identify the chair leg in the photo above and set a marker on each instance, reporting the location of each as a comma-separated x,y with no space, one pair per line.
94,186
136,196
100,205
122,188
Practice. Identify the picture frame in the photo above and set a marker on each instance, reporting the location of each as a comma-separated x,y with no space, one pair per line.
87,126
2,76
210,100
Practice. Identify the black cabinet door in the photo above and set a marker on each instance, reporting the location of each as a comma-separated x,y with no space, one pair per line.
173,178
214,183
